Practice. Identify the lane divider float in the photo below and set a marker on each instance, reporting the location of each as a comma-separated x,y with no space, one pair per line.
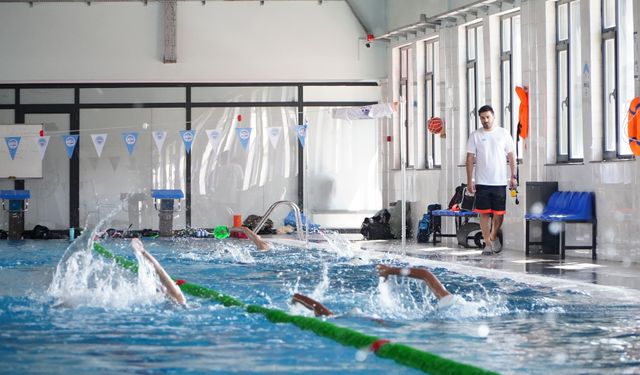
403,354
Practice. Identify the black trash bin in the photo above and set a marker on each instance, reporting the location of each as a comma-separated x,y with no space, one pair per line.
540,191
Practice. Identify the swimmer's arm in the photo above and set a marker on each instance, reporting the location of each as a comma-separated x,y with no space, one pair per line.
311,304
260,244
417,273
171,288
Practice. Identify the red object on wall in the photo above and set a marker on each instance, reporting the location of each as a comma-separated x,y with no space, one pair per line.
239,117
389,138
435,125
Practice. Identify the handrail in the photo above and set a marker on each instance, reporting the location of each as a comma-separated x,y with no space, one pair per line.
296,213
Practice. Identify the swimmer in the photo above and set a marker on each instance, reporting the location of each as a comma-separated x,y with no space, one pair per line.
445,298
311,304
260,244
417,273
170,288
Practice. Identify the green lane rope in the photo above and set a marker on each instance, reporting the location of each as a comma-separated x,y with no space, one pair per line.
402,354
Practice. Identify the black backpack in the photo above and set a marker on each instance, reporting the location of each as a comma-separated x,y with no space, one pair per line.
457,196
377,227
252,221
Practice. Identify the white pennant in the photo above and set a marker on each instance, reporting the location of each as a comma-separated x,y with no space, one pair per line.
42,143
215,136
98,142
274,135
159,137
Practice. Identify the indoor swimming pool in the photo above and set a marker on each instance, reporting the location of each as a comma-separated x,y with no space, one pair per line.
73,311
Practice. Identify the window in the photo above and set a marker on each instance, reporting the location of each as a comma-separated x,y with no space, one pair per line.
617,78
569,146
406,98
475,78
433,150
511,74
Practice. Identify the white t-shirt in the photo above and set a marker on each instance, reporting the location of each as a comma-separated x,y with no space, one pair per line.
491,149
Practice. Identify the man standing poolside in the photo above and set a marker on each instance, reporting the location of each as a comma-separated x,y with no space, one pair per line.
488,147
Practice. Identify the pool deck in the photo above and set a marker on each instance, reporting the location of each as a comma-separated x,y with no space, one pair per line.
578,268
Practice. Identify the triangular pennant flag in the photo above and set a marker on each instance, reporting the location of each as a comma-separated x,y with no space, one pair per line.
98,142
188,136
301,130
70,142
130,139
215,136
12,144
159,137
42,143
243,135
274,135
114,160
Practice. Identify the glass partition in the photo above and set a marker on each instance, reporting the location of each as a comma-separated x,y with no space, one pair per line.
133,95
229,178
7,96
119,177
230,94
50,194
343,179
341,93
6,117
47,96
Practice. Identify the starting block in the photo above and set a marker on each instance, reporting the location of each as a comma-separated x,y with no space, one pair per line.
166,199
16,203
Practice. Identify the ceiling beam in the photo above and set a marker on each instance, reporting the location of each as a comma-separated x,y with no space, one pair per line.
170,8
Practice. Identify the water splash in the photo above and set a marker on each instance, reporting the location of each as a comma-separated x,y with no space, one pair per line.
323,285
337,243
224,250
85,279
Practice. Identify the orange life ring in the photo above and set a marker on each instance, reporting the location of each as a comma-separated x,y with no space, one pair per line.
633,117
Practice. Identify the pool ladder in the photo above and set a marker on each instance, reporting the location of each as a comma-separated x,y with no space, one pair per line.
296,213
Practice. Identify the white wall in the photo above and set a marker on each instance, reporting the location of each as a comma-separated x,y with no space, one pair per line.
219,41
615,183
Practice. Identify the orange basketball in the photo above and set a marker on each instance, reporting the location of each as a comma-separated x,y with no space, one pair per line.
435,125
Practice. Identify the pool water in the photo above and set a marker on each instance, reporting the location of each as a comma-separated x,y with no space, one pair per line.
71,311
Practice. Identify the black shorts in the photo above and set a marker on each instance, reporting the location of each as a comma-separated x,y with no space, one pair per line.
491,199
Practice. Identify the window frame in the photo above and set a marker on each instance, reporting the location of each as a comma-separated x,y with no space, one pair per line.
405,95
471,68
563,46
611,32
433,149
510,121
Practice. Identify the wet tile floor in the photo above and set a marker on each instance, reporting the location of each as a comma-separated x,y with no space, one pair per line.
580,268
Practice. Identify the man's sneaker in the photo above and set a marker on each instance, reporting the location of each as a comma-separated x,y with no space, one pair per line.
497,246
488,249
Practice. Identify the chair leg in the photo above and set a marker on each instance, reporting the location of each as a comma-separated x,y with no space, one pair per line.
594,234
526,238
562,241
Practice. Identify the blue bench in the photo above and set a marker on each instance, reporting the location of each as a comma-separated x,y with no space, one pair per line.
459,217
566,207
